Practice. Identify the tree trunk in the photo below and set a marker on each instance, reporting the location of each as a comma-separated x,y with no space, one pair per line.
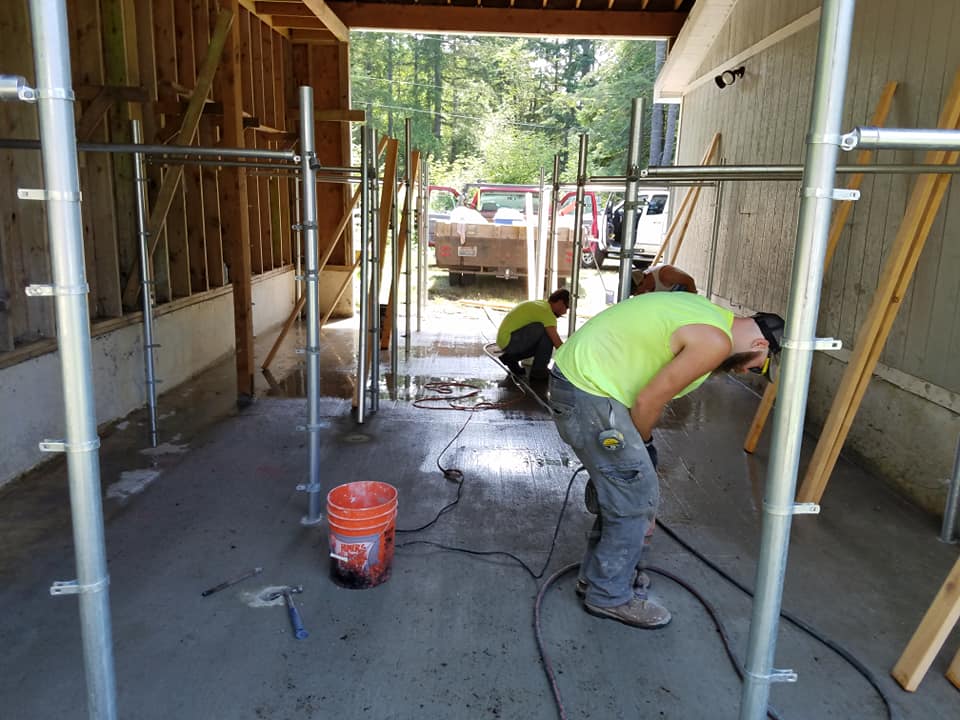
670,137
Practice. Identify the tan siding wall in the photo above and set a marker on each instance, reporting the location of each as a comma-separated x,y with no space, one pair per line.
763,119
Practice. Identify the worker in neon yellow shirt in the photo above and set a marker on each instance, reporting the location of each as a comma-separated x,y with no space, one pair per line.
609,383
530,330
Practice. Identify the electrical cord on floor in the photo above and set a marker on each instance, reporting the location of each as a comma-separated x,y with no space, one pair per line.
789,617
456,476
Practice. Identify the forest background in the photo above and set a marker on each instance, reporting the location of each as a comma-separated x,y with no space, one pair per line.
497,109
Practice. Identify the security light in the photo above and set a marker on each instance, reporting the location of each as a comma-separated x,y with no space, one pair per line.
728,77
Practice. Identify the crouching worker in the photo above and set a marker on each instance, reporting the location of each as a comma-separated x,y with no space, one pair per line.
659,278
608,386
530,330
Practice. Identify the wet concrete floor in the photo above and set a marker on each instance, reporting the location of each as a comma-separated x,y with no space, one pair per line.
450,634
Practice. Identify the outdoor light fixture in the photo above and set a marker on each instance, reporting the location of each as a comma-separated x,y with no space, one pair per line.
728,77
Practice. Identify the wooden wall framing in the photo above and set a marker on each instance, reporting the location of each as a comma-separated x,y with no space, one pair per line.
141,59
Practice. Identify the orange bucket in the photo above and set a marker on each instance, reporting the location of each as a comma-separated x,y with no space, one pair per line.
362,518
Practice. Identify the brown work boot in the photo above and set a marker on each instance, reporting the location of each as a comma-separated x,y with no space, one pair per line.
640,611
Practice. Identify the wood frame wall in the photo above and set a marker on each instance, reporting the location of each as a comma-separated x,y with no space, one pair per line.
142,59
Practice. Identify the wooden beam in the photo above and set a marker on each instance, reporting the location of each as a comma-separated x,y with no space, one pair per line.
837,226
282,8
225,22
330,19
93,115
213,243
632,25
294,22
313,37
122,93
343,288
937,623
922,207
233,198
953,672
259,101
284,235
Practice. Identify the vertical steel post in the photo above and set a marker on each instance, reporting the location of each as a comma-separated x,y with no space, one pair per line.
577,234
818,188
140,192
423,239
393,297
297,250
365,215
374,377
628,228
552,237
714,238
408,197
948,531
310,235
541,250
51,54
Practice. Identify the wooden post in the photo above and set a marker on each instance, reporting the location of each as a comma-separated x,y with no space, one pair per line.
233,199
343,287
836,229
937,623
387,328
689,203
922,207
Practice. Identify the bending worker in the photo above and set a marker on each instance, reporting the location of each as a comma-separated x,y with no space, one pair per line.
609,384
658,278
530,330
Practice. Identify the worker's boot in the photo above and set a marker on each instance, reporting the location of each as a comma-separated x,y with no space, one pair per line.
641,582
640,611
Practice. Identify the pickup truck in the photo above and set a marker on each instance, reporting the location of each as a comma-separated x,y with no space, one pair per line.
651,221
493,240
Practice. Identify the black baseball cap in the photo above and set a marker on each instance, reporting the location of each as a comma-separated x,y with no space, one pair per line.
771,327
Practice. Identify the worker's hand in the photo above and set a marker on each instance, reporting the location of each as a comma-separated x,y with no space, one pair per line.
651,451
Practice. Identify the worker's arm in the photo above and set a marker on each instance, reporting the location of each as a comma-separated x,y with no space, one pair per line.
697,350
554,336
670,275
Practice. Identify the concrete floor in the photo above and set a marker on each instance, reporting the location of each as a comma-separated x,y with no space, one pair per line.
449,635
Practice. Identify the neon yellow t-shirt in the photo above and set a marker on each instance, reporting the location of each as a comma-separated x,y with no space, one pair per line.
530,311
616,353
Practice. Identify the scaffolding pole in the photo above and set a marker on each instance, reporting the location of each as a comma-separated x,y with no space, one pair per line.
365,216
552,233
577,234
408,196
308,230
146,273
55,99
628,226
374,279
817,194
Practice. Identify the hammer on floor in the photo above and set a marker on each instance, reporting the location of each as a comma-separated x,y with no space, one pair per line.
299,632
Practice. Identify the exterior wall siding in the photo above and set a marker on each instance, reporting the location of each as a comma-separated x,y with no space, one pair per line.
763,119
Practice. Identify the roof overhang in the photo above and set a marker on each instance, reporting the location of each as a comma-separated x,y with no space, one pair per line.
704,23
482,20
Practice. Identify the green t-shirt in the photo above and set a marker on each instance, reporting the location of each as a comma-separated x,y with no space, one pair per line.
531,311
616,353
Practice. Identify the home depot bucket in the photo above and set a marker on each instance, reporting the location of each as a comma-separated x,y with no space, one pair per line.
362,518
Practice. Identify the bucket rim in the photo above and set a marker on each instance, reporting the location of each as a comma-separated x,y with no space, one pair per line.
335,502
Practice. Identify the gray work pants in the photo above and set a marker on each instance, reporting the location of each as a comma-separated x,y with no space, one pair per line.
628,490
528,341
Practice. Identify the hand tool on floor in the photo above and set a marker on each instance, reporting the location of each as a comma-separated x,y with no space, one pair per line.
234,581
299,632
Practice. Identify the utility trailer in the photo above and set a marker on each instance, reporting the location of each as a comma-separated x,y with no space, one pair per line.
465,249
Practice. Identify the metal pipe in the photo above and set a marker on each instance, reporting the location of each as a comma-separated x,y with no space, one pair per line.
874,138
297,274
273,167
686,174
541,251
14,87
949,531
374,377
552,237
365,213
423,239
172,150
393,297
51,55
311,240
628,227
408,237
714,238
334,169
147,286
577,234
836,27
